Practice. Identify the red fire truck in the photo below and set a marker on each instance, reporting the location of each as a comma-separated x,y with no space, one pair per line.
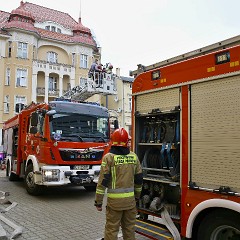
186,132
56,143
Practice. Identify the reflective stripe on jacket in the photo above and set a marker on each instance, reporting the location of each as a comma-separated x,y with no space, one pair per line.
117,175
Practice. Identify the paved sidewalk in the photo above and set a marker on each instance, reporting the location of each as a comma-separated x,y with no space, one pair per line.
2,173
59,214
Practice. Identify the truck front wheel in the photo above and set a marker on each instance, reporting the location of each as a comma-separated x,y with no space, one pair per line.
31,187
220,225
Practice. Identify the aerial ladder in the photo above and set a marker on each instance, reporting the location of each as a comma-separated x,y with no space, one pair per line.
97,83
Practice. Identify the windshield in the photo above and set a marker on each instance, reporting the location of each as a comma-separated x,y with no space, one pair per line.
79,128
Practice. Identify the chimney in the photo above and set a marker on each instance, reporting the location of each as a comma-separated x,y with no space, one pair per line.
118,72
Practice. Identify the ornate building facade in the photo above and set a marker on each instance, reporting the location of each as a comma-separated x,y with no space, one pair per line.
43,53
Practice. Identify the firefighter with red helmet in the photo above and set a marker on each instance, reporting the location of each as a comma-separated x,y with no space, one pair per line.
121,174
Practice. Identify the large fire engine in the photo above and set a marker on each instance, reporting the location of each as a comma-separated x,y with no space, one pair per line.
60,142
186,132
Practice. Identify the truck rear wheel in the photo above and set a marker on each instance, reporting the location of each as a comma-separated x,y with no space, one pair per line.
31,187
220,225
11,176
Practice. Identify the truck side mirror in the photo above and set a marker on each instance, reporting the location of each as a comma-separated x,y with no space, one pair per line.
51,112
34,119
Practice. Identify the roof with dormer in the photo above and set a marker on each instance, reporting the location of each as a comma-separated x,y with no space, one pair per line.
64,37
27,14
43,14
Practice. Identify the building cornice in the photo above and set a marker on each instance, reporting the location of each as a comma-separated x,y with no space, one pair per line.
16,29
4,35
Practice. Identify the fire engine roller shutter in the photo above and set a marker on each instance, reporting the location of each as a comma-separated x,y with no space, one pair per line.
215,133
164,100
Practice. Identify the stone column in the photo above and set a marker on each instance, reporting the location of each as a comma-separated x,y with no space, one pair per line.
34,87
46,88
60,85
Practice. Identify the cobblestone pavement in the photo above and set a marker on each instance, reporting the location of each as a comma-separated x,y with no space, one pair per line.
59,214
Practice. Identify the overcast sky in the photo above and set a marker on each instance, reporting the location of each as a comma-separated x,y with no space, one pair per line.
137,31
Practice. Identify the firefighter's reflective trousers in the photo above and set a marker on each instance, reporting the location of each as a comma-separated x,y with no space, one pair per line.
115,218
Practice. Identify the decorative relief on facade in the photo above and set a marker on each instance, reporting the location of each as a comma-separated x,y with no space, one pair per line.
63,46
22,37
85,50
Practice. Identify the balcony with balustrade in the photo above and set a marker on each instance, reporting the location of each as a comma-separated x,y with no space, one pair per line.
58,68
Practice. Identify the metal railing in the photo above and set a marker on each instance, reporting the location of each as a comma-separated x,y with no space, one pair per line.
51,93
56,67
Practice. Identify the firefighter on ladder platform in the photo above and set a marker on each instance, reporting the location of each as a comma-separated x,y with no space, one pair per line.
95,72
121,174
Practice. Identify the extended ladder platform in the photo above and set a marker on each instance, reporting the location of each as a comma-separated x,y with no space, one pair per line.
99,83
152,230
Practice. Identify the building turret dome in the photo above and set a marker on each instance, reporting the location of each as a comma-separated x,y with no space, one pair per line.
79,28
21,12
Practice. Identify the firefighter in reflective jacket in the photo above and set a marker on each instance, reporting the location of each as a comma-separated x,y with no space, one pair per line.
121,174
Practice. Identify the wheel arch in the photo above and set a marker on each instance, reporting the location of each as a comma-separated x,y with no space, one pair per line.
31,159
205,207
